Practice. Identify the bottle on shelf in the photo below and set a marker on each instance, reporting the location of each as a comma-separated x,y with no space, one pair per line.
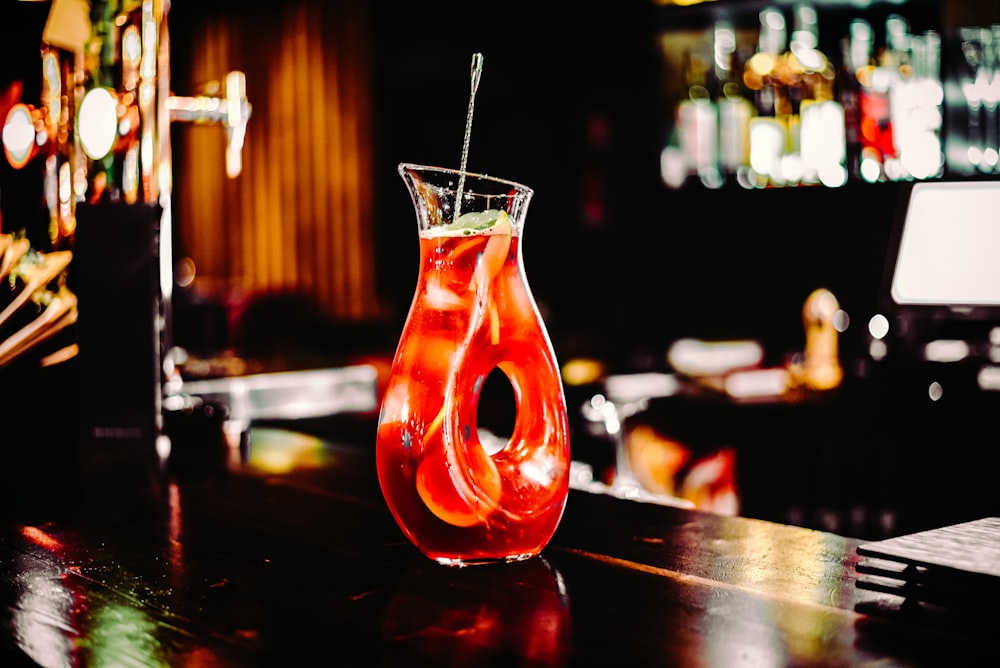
697,122
882,98
797,136
873,99
766,75
790,115
980,86
821,141
916,104
848,92
735,110
991,100
711,121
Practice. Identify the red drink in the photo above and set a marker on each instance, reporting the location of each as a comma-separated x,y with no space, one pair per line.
473,312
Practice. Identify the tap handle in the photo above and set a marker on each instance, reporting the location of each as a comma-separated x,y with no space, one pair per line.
821,358
233,111
237,114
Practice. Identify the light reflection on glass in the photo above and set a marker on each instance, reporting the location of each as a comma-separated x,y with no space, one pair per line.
917,115
767,144
871,165
725,44
824,148
527,610
53,90
150,39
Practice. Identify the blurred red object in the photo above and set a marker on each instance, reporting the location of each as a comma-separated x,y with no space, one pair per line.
666,466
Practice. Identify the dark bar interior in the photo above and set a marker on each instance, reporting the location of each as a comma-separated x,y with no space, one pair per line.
781,399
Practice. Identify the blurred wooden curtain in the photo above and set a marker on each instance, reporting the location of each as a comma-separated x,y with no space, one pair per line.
299,216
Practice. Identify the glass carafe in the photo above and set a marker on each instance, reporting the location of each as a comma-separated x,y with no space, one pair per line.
457,501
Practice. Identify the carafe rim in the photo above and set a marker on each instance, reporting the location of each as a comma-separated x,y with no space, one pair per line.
405,167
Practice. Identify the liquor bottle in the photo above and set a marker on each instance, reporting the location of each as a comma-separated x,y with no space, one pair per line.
849,95
991,100
734,108
916,104
876,130
765,73
980,86
848,92
798,135
880,84
896,64
820,143
697,122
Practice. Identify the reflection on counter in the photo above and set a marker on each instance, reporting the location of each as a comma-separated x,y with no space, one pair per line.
527,605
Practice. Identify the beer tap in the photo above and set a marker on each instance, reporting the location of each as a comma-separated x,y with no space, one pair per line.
118,105
231,109
45,132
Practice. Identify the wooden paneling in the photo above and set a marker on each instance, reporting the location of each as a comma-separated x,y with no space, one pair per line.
299,216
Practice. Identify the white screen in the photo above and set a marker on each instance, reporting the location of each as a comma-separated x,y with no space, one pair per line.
949,252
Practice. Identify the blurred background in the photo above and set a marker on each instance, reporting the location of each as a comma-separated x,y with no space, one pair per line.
308,257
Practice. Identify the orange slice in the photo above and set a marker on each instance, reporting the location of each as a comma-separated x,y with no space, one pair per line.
460,498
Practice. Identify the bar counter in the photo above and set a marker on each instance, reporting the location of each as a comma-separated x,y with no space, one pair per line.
293,559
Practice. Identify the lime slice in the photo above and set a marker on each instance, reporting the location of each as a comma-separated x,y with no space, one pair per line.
478,221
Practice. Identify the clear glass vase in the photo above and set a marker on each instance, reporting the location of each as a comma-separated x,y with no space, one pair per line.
472,312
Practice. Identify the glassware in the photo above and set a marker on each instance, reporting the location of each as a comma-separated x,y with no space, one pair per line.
472,312
981,90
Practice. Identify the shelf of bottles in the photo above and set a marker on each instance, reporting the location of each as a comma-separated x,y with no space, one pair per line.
758,98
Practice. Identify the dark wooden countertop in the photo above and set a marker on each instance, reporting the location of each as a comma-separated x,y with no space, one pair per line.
294,560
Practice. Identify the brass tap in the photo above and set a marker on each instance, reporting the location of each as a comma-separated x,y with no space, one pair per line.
820,368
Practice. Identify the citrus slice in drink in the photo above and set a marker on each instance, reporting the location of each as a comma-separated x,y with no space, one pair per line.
459,497
480,221
495,253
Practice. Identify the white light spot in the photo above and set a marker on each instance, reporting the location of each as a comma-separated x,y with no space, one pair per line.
97,122
878,326
935,391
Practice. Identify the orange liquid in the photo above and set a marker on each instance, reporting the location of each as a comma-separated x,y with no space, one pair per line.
472,312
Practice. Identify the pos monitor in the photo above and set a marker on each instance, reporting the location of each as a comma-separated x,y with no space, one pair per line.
942,275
